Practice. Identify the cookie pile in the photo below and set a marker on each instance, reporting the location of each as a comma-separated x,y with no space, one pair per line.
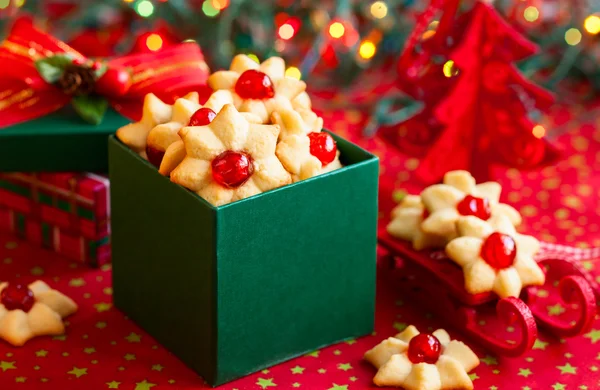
476,230
256,132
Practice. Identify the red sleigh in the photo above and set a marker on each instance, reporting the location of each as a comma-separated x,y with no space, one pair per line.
444,293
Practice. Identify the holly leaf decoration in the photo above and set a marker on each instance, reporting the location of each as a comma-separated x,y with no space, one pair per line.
51,68
90,108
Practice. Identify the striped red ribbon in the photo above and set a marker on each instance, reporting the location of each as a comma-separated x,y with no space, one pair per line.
24,95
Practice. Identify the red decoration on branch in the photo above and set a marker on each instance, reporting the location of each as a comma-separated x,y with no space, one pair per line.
41,74
479,100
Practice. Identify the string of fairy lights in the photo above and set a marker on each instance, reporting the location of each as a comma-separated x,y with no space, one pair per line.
573,35
344,37
378,9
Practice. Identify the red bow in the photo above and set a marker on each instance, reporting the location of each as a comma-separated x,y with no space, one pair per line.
41,74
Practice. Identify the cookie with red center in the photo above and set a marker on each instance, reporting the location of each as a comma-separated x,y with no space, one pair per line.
230,159
494,257
185,112
304,150
28,311
406,222
422,361
260,89
165,140
460,196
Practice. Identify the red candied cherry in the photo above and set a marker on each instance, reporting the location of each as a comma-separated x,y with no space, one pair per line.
499,250
478,207
232,169
424,348
155,156
323,147
202,117
17,297
114,82
253,84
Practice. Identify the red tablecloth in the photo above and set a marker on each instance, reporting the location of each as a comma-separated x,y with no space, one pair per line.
104,350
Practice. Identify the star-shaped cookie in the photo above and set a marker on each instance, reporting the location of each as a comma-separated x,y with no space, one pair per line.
416,361
494,257
406,222
297,147
259,88
165,138
460,196
302,101
155,112
230,159
30,311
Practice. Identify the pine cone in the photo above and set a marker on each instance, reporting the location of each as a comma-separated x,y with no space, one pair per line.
77,80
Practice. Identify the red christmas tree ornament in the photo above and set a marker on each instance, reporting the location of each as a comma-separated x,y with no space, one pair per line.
425,74
484,116
202,117
232,169
254,84
475,102
499,250
323,147
17,297
424,348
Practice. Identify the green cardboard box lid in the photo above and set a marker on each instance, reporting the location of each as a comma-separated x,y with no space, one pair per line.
59,142
233,289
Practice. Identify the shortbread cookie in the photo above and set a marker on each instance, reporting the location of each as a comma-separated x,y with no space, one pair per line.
406,222
259,89
185,112
459,196
303,151
165,148
135,134
30,311
302,101
175,153
163,135
302,122
303,106
494,257
421,361
230,159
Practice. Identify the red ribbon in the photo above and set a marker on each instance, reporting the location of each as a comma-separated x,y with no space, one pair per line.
25,95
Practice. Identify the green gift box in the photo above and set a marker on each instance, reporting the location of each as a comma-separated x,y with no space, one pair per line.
59,142
233,289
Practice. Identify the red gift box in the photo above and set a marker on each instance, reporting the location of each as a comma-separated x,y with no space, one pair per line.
68,213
